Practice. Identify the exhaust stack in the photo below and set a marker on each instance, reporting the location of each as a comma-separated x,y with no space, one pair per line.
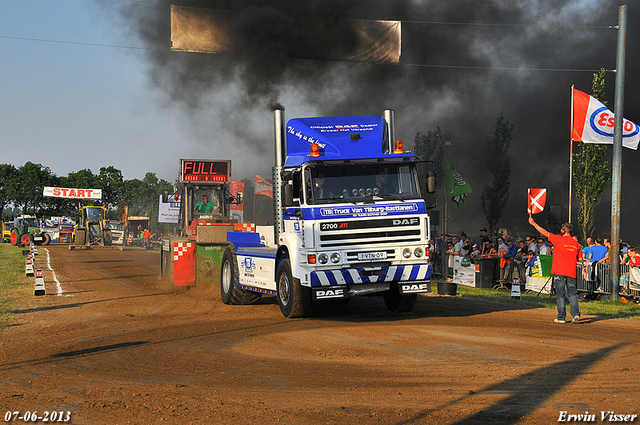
281,154
391,130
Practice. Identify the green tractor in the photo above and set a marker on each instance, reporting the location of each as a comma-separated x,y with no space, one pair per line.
92,228
26,231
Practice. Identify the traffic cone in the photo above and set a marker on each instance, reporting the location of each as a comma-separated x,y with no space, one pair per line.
28,267
39,288
515,289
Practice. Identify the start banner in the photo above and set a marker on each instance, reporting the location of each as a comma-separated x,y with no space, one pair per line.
63,192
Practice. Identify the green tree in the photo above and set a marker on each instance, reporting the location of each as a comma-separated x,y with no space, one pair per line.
495,197
111,182
591,173
8,186
33,178
430,147
142,196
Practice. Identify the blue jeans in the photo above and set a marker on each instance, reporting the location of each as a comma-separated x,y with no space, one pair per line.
566,289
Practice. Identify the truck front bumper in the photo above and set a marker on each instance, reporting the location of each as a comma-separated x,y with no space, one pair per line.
399,274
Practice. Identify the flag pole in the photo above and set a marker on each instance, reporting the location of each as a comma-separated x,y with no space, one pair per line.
571,154
616,172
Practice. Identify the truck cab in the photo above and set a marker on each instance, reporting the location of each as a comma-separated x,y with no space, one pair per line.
351,220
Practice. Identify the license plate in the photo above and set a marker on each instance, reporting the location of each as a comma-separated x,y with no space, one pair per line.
372,256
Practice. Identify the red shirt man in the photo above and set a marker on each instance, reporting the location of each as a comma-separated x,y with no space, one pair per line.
566,252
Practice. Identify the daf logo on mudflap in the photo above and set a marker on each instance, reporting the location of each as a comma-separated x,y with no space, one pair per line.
414,287
329,293
406,221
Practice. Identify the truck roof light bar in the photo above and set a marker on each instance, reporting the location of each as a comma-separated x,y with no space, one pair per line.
397,148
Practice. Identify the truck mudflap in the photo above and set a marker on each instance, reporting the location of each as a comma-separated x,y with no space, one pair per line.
400,274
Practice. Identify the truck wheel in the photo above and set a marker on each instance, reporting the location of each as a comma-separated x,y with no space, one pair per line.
26,239
81,237
293,298
47,239
230,292
397,302
15,237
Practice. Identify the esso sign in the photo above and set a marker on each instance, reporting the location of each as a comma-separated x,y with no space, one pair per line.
602,122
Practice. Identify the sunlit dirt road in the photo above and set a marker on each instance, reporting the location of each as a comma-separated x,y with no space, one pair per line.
118,345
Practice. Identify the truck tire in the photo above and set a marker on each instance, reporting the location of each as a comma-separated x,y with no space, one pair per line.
293,298
15,237
47,239
230,292
81,237
397,302
26,239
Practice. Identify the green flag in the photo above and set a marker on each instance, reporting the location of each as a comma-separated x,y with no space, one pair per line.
455,185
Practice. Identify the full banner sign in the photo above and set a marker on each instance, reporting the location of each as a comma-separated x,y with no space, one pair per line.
62,192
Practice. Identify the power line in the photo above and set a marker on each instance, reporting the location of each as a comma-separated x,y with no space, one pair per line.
77,43
486,24
498,68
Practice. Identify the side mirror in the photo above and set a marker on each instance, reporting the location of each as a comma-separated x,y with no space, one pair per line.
287,195
431,182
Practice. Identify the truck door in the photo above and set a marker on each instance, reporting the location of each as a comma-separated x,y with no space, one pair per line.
293,200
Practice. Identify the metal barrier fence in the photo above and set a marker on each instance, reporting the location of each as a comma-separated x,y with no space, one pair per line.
596,278
591,278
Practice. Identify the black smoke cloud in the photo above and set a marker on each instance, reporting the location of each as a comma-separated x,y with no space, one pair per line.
463,62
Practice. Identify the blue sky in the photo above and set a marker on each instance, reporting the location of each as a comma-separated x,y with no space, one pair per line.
74,106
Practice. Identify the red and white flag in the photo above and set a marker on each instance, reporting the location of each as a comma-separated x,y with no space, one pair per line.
263,187
593,123
536,200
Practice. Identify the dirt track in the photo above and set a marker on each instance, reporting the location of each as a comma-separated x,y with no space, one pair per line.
120,346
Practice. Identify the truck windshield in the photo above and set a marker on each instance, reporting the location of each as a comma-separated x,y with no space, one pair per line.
94,215
354,183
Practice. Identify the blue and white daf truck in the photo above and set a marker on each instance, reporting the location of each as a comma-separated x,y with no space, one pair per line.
350,220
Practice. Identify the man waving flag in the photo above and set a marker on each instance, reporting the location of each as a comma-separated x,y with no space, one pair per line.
592,122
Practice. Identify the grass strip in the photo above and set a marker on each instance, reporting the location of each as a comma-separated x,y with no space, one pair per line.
618,309
13,282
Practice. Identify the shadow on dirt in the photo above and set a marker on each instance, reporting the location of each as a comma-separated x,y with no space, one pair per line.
100,349
526,392
73,305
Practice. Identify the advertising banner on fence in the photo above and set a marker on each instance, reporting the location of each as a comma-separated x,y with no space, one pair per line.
63,192
464,273
168,212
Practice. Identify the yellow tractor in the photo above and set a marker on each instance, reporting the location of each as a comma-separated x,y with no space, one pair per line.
92,229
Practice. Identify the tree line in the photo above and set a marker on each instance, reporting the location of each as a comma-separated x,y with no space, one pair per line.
21,192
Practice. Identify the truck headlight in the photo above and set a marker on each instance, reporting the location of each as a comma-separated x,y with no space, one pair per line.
406,253
335,257
418,252
323,258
